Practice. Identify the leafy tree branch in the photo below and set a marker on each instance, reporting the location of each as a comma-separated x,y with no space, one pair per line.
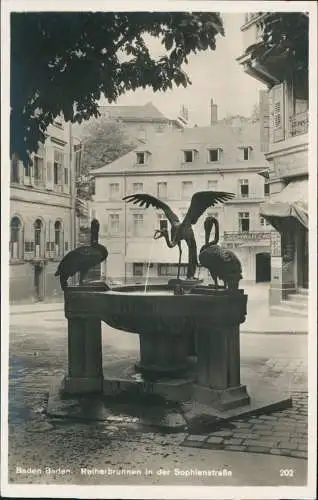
63,63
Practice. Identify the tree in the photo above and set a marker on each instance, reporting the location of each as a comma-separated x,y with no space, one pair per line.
104,140
63,62
285,37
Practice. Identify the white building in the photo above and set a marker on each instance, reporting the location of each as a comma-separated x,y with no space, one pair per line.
172,167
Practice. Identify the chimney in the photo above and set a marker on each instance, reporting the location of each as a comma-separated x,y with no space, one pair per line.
214,113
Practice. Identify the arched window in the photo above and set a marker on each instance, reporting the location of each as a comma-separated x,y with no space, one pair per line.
58,237
16,242
38,237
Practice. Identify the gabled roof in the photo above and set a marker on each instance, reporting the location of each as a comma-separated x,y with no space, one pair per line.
147,112
166,149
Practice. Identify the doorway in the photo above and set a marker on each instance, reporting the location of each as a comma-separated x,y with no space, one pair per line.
263,267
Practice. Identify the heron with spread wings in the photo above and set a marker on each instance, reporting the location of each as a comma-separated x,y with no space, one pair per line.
200,201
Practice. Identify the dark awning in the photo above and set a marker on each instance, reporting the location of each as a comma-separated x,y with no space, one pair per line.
292,201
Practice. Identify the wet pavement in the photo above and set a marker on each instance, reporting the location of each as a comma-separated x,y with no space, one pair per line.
253,450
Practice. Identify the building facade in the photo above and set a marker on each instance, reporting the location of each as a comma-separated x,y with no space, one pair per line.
172,167
42,216
286,122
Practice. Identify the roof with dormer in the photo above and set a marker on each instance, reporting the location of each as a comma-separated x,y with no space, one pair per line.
164,152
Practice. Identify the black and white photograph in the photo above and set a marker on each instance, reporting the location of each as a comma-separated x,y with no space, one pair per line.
158,229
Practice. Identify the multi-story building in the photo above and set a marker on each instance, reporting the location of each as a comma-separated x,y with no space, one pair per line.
286,122
173,167
42,216
139,123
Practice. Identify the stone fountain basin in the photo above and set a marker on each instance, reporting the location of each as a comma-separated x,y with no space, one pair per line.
157,310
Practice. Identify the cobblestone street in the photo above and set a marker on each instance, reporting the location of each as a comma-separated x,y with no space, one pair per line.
38,357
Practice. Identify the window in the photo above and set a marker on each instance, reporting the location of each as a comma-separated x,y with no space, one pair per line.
171,269
264,222
78,158
58,166
243,189
15,170
138,187
57,237
140,158
114,223
214,154
163,222
212,185
162,189
38,164
266,188
188,156
244,222
114,191
92,186
246,153
186,189
38,237
138,269
16,243
66,176
138,223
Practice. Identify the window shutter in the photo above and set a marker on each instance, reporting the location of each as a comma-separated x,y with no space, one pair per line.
66,173
278,113
264,120
49,159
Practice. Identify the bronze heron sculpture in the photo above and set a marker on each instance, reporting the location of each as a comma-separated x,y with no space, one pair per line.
180,231
220,262
83,258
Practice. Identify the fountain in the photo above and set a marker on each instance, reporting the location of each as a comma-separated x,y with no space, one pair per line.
164,320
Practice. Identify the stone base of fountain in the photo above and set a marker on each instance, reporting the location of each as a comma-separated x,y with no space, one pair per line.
221,399
124,378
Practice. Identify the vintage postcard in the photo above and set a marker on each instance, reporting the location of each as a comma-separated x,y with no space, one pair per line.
159,188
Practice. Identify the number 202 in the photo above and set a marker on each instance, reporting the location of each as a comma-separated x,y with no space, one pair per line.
286,472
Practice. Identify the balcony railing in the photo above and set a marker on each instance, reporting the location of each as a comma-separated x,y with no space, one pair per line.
237,236
299,123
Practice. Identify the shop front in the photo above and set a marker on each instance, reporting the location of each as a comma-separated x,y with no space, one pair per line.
287,212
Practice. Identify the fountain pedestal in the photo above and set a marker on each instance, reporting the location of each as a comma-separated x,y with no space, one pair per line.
162,355
85,363
218,352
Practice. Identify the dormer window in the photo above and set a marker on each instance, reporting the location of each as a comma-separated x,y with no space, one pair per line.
140,158
214,154
188,156
246,152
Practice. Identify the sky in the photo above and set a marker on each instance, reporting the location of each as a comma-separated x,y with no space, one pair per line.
214,74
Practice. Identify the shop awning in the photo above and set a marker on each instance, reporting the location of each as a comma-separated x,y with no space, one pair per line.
292,201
